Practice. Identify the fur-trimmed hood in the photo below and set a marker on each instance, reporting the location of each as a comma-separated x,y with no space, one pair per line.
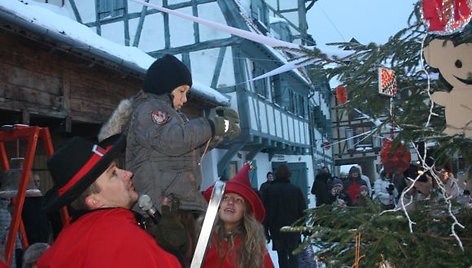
118,121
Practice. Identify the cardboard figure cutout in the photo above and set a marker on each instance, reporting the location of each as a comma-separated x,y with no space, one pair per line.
454,62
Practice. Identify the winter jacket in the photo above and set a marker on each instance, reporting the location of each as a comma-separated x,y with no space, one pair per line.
381,193
229,258
352,189
106,238
164,150
284,203
322,190
263,189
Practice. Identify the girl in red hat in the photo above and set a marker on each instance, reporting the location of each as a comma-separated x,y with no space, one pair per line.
238,239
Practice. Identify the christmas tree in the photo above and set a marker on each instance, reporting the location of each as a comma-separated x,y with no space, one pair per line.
430,233
346,236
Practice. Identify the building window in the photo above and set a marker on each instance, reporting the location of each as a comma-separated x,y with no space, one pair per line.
260,85
362,141
349,139
291,103
301,106
281,30
260,14
276,89
110,8
231,170
319,119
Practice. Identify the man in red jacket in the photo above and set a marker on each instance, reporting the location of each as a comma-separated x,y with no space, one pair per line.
105,232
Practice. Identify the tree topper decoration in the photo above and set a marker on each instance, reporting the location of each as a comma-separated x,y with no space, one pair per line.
445,17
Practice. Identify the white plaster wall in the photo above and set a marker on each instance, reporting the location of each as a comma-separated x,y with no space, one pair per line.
212,12
152,36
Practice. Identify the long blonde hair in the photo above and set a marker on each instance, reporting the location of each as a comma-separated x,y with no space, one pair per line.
251,251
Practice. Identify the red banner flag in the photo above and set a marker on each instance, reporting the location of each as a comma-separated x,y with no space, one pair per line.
341,94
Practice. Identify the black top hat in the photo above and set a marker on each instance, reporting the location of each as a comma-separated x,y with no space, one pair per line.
165,74
76,165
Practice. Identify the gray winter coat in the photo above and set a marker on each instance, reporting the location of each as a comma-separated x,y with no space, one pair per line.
164,149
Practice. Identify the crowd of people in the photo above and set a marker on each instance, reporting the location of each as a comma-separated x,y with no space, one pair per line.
355,188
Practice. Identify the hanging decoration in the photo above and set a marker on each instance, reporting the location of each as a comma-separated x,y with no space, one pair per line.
445,17
341,94
395,158
387,82
295,64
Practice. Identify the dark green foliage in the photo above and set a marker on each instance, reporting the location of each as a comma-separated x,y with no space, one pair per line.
333,230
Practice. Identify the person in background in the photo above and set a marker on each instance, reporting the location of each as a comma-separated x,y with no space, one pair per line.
238,239
5,222
265,185
165,148
465,187
343,176
385,190
464,180
285,204
451,185
321,187
423,183
363,197
367,181
32,254
352,188
36,223
337,193
104,231
263,190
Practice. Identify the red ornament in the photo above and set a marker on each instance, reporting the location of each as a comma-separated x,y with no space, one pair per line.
446,16
395,158
341,94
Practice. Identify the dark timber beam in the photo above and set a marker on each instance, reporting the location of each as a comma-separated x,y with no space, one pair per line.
139,29
219,63
76,11
252,153
224,161
148,12
196,47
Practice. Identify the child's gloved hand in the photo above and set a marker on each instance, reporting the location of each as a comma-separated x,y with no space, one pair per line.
169,232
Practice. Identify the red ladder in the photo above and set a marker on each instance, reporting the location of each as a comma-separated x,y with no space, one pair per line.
31,134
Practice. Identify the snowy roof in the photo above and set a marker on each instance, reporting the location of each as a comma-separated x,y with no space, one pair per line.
40,19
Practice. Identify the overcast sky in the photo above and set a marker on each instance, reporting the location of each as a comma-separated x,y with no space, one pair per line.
366,20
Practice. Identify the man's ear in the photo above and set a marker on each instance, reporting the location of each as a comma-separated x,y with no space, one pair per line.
92,201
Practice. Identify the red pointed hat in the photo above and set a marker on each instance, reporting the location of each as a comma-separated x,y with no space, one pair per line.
240,184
